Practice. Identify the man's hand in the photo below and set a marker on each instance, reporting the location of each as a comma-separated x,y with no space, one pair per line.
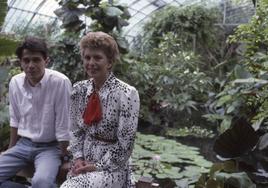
63,146
13,137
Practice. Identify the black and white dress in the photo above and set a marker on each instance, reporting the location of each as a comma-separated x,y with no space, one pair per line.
120,109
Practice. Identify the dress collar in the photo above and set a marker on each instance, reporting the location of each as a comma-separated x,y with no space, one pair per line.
106,85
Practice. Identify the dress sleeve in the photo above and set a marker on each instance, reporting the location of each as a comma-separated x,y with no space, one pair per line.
119,153
77,132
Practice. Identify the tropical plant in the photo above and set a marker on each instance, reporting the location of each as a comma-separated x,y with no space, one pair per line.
65,56
192,24
225,175
244,153
196,29
4,126
244,95
105,16
3,11
169,81
7,48
182,59
7,70
47,30
245,92
7,43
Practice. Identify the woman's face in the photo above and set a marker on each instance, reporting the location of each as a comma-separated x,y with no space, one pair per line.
96,64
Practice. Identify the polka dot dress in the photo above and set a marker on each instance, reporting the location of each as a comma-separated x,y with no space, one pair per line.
108,143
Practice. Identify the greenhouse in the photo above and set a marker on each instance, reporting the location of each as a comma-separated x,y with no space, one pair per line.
137,93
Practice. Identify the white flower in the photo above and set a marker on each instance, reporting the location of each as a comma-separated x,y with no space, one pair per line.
187,58
156,157
186,71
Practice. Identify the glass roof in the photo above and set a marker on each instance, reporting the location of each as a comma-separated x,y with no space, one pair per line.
23,13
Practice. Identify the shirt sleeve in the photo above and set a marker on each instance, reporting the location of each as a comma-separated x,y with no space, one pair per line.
118,155
77,132
13,106
62,108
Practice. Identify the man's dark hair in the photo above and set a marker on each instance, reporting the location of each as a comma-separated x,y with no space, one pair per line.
33,44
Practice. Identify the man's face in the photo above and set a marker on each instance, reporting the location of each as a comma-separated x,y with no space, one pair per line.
33,64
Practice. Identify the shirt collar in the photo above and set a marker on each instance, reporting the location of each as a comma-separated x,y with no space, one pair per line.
44,80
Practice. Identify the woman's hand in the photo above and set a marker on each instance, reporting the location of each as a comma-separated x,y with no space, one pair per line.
78,163
87,167
81,166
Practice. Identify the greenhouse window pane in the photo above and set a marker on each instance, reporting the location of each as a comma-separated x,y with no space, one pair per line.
133,20
132,11
27,4
129,2
147,10
170,1
137,6
48,8
41,20
174,3
237,13
182,2
139,16
22,21
158,3
134,30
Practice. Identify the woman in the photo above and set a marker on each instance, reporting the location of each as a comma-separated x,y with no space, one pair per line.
104,114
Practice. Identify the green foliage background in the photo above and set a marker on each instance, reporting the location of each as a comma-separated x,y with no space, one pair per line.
244,94
184,69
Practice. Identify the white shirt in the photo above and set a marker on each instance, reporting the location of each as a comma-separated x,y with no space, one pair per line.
41,113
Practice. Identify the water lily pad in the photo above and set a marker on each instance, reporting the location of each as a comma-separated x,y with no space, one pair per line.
170,158
164,158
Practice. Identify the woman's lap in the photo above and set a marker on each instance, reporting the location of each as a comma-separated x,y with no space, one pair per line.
98,179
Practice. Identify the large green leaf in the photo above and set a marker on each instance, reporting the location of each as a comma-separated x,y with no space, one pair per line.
7,46
240,179
250,81
224,99
225,124
241,72
263,142
113,11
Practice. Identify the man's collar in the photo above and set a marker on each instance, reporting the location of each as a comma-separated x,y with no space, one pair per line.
43,81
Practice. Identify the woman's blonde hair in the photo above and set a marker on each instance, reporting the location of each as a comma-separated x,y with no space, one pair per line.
101,41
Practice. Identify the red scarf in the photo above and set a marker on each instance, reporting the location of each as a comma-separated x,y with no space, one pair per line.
92,113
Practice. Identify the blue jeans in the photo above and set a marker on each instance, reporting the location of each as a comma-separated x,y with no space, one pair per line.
45,157
10,184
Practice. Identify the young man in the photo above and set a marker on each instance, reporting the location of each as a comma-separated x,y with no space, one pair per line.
39,117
